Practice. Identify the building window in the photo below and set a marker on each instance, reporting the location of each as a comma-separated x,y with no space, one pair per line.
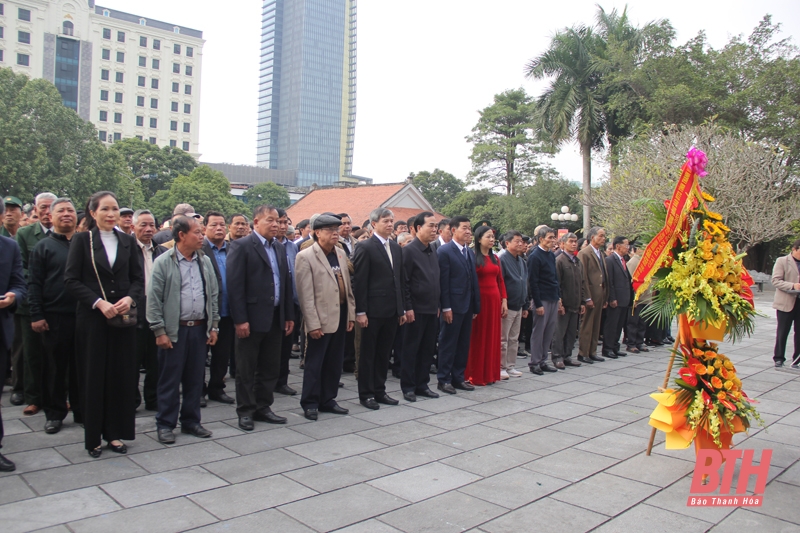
67,28
104,74
142,22
176,29
189,51
1,30
120,57
156,64
185,146
104,95
187,108
106,13
139,137
117,118
117,137
103,136
106,54
188,70
156,44
24,60
186,127
120,77
139,121
141,81
106,33
140,101
176,49
142,61
154,103
176,87
1,56
187,89
23,37
176,68
121,36
154,83
173,143
152,140
118,98
143,41
103,116
24,14
174,107
173,125
153,122
2,10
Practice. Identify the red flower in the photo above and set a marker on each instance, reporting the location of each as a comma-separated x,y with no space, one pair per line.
688,376
706,398
728,404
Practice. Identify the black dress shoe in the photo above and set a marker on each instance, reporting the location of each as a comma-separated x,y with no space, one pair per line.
17,398
536,370
620,353
335,409
433,370
311,414
246,423
118,449
609,355
586,360
370,403
197,431
463,385
395,373
778,364
166,436
410,396
669,338
6,465
341,385
643,348
386,400
269,417
427,393
446,387
95,453
632,349
203,401
569,362
52,426
221,398
547,368
559,363
150,407
286,389
596,358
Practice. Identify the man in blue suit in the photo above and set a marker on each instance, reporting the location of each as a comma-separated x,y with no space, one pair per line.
460,303
12,290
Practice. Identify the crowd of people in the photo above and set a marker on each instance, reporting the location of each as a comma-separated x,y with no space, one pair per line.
93,297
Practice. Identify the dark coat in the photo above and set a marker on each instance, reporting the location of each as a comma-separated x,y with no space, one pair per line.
379,285
11,280
207,249
27,238
570,279
251,289
421,270
458,280
142,308
47,291
620,287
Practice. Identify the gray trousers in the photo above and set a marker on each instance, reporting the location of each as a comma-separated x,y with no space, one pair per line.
566,333
544,327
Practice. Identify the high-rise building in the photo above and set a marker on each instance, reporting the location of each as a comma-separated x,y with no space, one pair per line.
307,98
131,76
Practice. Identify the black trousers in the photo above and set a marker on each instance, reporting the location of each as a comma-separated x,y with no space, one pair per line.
785,322
182,369
373,363
636,327
3,367
612,329
454,348
419,343
221,354
33,355
525,330
323,366
60,368
397,349
147,358
258,364
286,353
17,359
349,361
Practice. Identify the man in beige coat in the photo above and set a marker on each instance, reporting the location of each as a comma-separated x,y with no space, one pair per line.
329,312
786,280
595,284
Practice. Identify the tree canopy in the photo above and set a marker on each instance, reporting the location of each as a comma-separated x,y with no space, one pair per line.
267,193
205,189
438,187
153,167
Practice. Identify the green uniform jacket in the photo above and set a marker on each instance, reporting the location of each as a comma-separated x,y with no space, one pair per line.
27,238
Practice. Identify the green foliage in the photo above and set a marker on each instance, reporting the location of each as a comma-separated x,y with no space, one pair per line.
267,193
154,167
205,189
438,187
45,146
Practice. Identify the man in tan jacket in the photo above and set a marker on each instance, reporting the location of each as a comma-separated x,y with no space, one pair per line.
329,312
786,280
592,259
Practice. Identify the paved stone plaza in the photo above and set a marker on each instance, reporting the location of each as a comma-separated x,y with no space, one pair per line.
562,453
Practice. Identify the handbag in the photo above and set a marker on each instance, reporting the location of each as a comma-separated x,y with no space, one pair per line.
127,320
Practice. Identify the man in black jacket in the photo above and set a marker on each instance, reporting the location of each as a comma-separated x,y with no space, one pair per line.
421,270
260,296
620,296
53,316
379,288
144,228
573,296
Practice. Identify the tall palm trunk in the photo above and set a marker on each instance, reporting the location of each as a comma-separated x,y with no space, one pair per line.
586,154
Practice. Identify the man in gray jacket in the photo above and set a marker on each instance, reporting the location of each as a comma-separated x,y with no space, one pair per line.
573,294
183,312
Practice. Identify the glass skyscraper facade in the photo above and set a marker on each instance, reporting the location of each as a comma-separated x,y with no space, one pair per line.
307,96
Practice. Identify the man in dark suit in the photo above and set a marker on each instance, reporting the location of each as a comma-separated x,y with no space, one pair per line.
12,291
620,296
444,234
379,288
260,296
460,304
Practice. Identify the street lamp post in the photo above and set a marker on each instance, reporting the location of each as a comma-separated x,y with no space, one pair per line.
564,216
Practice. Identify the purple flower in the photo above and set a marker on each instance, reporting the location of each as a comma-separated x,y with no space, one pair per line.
697,161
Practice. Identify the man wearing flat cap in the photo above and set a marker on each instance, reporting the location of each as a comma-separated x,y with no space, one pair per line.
126,220
12,216
329,310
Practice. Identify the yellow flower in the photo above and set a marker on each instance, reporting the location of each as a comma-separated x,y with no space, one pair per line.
710,271
711,228
707,197
719,259
707,245
716,382
710,369
721,395
717,363
713,215
728,364
723,227
728,384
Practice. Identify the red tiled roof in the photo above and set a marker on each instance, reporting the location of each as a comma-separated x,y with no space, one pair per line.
404,213
355,201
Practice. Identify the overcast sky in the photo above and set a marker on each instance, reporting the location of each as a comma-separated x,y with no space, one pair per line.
425,68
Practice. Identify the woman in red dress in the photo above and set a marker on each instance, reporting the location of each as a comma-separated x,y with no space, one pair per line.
483,366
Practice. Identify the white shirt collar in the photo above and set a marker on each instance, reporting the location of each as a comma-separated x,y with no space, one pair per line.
383,241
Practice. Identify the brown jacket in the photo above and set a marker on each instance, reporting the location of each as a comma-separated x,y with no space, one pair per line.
318,289
594,274
570,278
784,276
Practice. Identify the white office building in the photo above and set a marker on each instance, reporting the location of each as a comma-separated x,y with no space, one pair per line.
130,75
